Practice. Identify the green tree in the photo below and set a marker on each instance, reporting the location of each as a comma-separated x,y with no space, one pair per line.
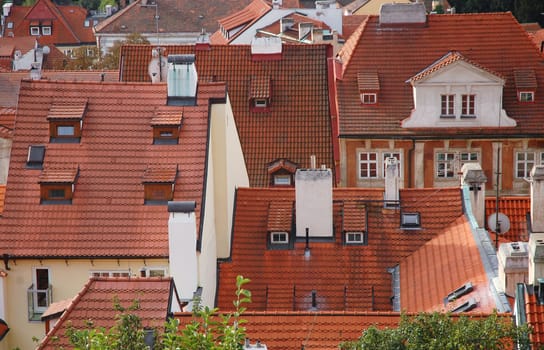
111,59
437,331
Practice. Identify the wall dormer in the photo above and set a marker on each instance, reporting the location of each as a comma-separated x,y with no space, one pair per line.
282,172
457,92
66,121
354,222
259,94
159,184
525,81
368,84
166,127
280,224
57,185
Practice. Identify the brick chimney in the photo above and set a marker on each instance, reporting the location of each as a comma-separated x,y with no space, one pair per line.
182,248
474,178
313,191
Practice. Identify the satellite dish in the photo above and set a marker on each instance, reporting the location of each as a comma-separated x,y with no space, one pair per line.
498,223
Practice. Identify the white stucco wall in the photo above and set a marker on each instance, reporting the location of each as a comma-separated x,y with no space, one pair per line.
105,41
5,150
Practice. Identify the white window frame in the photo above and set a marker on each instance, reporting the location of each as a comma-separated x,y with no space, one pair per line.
260,102
526,96
468,105
369,164
369,98
453,161
46,30
282,235
109,273
37,308
10,25
282,180
352,234
448,110
89,52
35,31
526,163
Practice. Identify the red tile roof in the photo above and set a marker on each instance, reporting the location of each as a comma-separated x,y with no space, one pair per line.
176,16
107,216
23,43
525,79
162,117
442,265
284,279
52,175
2,194
67,110
495,41
95,303
299,112
516,209
67,23
534,311
293,32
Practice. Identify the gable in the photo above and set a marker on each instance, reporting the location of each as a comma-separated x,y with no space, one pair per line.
461,73
40,11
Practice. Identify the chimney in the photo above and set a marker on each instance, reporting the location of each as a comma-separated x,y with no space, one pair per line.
286,23
182,248
537,199
6,9
35,71
157,66
109,10
391,181
323,4
182,80
394,14
474,178
203,41
536,257
513,260
266,49
313,191
277,4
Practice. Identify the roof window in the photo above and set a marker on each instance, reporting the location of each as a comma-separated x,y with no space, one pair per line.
66,121
259,94
526,84
410,220
159,184
368,84
466,306
57,185
166,127
35,157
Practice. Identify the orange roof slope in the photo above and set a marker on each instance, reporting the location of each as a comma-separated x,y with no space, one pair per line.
95,302
297,124
534,313
442,265
107,217
2,194
495,41
344,277
516,208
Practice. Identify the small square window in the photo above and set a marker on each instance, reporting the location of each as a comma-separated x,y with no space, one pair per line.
260,103
526,96
355,237
65,130
87,23
34,31
10,25
410,220
46,30
279,238
282,180
368,98
90,52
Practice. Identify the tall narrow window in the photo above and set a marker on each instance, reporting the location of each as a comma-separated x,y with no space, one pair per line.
524,163
467,109
368,165
39,293
447,109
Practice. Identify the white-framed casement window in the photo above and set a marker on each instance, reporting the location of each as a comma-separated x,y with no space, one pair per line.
279,237
447,105
355,237
525,160
46,30
39,293
110,273
526,96
260,102
35,31
467,105
369,98
448,164
368,165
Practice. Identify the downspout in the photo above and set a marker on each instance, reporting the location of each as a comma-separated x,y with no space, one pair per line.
411,160
333,66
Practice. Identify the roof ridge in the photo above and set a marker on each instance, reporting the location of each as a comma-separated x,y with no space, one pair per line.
346,52
114,17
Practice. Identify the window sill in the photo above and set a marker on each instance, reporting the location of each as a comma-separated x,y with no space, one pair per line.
447,116
468,117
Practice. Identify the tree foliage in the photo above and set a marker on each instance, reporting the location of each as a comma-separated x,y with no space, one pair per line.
111,59
524,10
438,331
208,330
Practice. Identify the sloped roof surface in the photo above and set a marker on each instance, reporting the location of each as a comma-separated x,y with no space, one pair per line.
2,194
442,265
176,16
353,277
297,124
494,41
516,209
534,312
107,216
96,302
67,23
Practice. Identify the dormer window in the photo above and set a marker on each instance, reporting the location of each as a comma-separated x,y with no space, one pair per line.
46,28
66,121
35,157
368,84
166,125
259,94
281,237
282,172
410,220
526,84
57,185
448,106
159,184
34,28
354,222
280,216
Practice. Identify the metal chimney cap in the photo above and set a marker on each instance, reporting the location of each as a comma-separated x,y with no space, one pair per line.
181,59
181,207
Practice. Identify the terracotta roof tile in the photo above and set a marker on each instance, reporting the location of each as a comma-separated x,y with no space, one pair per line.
114,152
517,209
368,81
67,110
354,216
243,18
95,303
167,117
495,41
280,216
53,175
260,87
534,312
2,195
160,175
525,79
284,279
299,112
282,164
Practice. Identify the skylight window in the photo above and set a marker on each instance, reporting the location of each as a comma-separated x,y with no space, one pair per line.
35,157
410,220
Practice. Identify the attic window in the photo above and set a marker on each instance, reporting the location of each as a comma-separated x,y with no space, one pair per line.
410,220
526,84
57,185
159,184
35,31
10,25
355,237
259,94
282,172
66,121
368,84
166,127
354,218
46,30
35,157
280,216
279,237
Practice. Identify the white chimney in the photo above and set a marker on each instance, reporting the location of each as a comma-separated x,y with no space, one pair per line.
6,9
513,260
182,80
391,180
313,202
277,4
35,71
182,248
474,177
536,257
537,198
109,10
266,46
411,13
157,68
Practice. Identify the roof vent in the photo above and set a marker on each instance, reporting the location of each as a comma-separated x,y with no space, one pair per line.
182,80
459,292
257,345
397,14
466,306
